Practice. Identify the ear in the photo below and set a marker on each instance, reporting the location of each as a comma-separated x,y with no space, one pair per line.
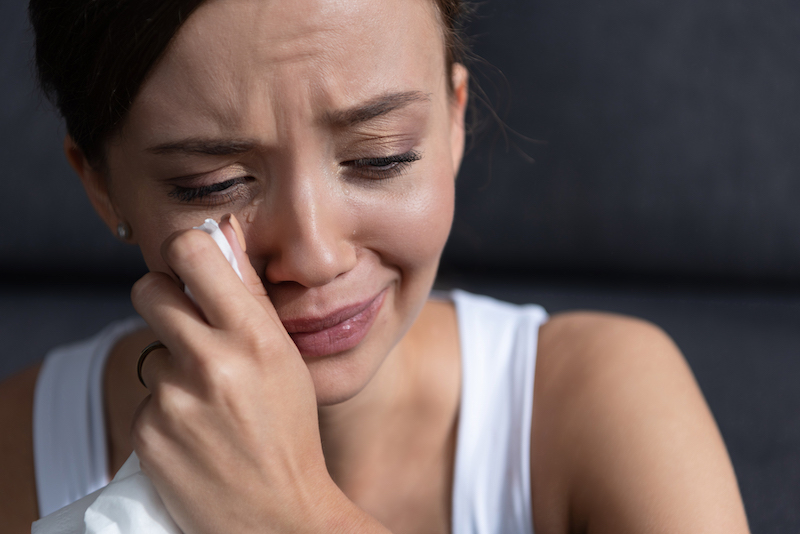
458,111
95,182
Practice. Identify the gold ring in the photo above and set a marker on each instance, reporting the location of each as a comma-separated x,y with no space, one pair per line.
155,345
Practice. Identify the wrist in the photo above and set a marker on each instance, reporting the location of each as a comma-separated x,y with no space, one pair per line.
335,513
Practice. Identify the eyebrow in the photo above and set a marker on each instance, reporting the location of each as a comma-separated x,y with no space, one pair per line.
209,147
374,108
369,110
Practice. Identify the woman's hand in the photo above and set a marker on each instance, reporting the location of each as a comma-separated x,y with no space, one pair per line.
229,434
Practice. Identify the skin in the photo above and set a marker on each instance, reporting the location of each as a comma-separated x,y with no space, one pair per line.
241,432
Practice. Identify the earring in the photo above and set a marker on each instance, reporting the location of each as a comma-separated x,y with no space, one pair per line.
123,231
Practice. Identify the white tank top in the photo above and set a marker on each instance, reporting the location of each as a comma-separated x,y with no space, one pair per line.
491,486
70,450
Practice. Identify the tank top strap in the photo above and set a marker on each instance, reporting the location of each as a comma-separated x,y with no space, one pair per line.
69,435
491,486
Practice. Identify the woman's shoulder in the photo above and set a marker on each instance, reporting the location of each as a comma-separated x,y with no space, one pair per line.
18,506
591,361
596,365
602,339
622,432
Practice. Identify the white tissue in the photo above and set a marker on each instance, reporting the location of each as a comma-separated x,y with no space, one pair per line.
129,504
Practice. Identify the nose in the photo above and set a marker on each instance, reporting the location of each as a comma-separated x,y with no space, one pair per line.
311,232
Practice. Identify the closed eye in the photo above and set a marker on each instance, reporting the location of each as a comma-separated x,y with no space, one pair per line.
220,189
384,167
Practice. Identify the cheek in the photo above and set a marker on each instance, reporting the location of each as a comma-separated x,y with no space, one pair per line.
151,218
152,222
153,226
150,246
409,230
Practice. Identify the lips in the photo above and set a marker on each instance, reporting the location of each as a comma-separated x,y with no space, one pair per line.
337,332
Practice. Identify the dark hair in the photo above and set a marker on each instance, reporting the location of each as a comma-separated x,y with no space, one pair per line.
453,13
92,56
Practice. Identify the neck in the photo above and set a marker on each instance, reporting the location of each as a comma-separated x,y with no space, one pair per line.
358,429
391,447
405,416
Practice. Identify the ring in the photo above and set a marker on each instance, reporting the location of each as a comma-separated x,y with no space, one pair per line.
155,345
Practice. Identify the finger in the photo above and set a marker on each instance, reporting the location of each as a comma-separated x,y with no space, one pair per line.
168,311
218,291
237,230
233,233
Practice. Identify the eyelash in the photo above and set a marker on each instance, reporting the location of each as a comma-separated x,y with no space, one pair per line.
190,194
386,167
372,168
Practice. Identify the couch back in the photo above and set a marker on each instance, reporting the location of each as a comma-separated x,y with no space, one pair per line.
666,142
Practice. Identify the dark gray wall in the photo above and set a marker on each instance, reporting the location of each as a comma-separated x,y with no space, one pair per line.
672,131
55,231
669,134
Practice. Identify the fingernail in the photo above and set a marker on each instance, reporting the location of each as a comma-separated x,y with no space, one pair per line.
237,229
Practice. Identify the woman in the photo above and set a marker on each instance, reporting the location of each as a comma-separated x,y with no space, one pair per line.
326,391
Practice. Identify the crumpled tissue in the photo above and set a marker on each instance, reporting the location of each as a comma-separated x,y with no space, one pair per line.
129,504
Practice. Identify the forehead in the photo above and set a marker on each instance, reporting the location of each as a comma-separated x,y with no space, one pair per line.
236,61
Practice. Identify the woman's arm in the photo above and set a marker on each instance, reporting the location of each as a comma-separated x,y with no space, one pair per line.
622,437
18,507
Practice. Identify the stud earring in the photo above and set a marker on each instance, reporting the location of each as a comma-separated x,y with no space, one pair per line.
123,231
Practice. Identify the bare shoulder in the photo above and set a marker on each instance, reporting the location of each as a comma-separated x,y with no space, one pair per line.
622,438
18,506
595,347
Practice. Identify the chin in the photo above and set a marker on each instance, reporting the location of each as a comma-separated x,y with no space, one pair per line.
340,377
337,379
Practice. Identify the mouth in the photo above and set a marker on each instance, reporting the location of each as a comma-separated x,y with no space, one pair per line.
337,332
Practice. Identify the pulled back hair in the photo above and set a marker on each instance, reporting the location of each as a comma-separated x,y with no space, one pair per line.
92,56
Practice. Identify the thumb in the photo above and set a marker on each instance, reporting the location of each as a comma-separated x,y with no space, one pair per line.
233,233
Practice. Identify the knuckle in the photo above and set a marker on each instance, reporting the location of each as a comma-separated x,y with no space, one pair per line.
220,373
174,403
259,342
146,289
167,406
186,246
249,325
263,345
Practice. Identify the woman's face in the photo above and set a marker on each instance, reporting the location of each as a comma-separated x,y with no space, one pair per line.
327,128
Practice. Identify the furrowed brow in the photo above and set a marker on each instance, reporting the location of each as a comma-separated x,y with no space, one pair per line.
207,147
375,107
